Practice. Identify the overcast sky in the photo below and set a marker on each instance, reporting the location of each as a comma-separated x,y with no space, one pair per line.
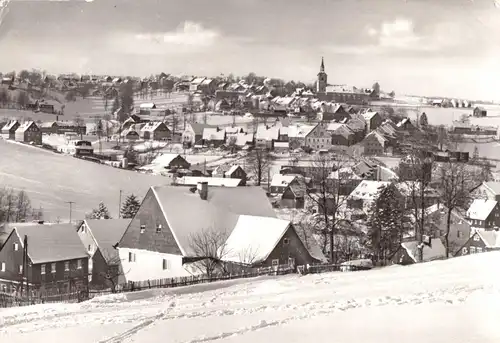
428,47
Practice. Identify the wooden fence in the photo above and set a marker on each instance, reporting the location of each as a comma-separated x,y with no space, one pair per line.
9,300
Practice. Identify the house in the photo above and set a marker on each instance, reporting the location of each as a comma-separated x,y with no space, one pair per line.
375,144
436,220
488,190
130,134
29,132
279,183
230,171
365,194
171,161
341,134
411,191
373,120
133,119
213,136
405,125
158,243
480,241
9,129
484,214
408,253
51,127
294,194
57,260
266,136
155,130
479,112
266,242
193,133
297,135
319,138
346,179
99,238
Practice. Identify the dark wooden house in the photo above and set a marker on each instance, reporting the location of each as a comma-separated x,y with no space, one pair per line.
56,260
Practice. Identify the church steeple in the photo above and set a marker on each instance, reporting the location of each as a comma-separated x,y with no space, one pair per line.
322,78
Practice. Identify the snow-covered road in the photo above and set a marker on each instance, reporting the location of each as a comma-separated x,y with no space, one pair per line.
456,300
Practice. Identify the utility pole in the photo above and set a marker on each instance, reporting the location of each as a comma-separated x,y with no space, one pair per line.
120,205
26,266
70,208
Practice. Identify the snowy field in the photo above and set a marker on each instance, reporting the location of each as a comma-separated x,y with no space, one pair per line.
446,116
446,301
51,180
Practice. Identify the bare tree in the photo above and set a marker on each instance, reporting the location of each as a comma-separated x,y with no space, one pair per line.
329,196
112,272
456,184
209,248
259,162
79,123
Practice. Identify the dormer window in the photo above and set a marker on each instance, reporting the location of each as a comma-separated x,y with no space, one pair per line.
158,228
143,228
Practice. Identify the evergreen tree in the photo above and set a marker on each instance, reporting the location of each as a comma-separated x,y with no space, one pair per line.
100,213
130,207
385,227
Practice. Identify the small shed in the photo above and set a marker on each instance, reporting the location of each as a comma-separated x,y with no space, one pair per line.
9,129
480,112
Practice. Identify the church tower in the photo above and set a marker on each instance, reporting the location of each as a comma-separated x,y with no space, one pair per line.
322,78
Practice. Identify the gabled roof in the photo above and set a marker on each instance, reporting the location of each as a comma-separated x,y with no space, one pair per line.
493,186
152,126
25,126
480,209
368,189
219,212
491,239
299,131
232,169
279,180
213,134
433,252
10,124
377,136
254,238
165,159
369,115
107,233
212,181
198,128
51,243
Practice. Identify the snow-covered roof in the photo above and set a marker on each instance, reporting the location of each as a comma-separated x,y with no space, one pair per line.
267,133
480,209
299,131
243,138
282,180
213,134
164,159
433,252
368,189
212,181
232,169
9,125
377,136
490,238
148,105
254,238
24,126
369,115
334,126
151,126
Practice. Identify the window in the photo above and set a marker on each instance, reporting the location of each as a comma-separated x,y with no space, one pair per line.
66,266
165,264
476,237
459,234
42,271
89,248
472,250
291,261
83,228
53,268
286,241
479,250
464,251
131,257
158,228
20,269
16,247
78,264
143,228
2,269
275,263
4,288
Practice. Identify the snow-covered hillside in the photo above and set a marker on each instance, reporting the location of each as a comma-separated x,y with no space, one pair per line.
445,301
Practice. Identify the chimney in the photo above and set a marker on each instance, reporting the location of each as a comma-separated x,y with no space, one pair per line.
203,190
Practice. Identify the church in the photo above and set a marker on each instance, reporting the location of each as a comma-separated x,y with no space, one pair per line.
338,93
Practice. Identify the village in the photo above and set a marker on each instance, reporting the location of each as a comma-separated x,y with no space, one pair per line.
257,176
